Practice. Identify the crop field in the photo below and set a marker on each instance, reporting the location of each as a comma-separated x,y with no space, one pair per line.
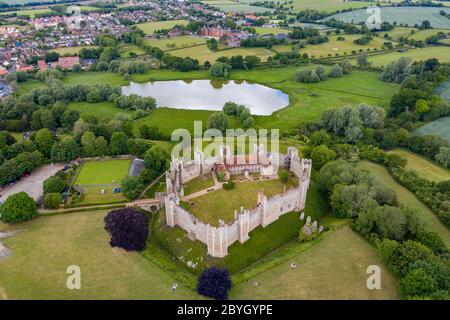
27,12
334,268
78,238
347,46
424,167
239,8
102,172
407,198
71,50
321,5
406,16
202,53
439,127
175,43
150,27
274,31
399,32
440,53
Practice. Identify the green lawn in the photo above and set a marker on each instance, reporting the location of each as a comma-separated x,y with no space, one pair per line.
44,248
150,27
126,50
407,198
440,127
99,110
103,172
274,31
423,166
334,268
221,204
199,183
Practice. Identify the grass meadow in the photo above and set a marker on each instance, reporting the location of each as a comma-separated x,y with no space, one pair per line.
150,27
176,43
102,172
382,60
424,167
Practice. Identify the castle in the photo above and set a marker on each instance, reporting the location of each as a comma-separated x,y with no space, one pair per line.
267,210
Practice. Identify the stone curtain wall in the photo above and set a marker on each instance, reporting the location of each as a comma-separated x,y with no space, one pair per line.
268,210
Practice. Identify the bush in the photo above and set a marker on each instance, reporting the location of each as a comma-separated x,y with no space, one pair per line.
128,229
229,185
214,283
417,283
54,184
18,207
132,187
52,200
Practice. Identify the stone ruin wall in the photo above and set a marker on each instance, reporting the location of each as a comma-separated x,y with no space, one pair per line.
268,210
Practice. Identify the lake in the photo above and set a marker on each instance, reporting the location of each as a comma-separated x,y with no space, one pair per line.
210,95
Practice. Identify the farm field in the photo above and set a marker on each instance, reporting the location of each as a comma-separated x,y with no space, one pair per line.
175,43
125,51
78,238
346,46
102,172
239,8
150,27
440,127
322,5
27,12
407,198
203,54
71,50
334,268
423,34
398,32
423,166
440,53
221,204
408,16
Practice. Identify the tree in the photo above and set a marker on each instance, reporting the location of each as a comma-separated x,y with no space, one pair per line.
218,120
54,184
156,159
443,157
212,44
68,119
101,146
42,118
118,144
214,283
319,137
65,150
321,155
128,229
337,172
362,60
220,70
421,106
132,187
52,200
397,71
347,201
336,72
18,207
417,283
88,144
44,141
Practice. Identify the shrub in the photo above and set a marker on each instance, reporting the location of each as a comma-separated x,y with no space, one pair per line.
132,187
54,184
128,229
52,200
214,283
417,283
229,185
18,207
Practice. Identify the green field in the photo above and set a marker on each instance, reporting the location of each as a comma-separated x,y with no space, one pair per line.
175,43
102,172
127,49
408,16
440,53
27,12
71,50
440,127
202,53
346,47
44,248
423,34
221,204
150,27
407,198
274,31
398,32
334,268
320,5
423,166
239,8
100,110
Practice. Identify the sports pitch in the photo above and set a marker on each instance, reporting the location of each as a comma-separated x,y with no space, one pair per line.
103,172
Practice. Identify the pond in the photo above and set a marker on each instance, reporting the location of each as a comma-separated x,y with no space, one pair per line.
210,95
